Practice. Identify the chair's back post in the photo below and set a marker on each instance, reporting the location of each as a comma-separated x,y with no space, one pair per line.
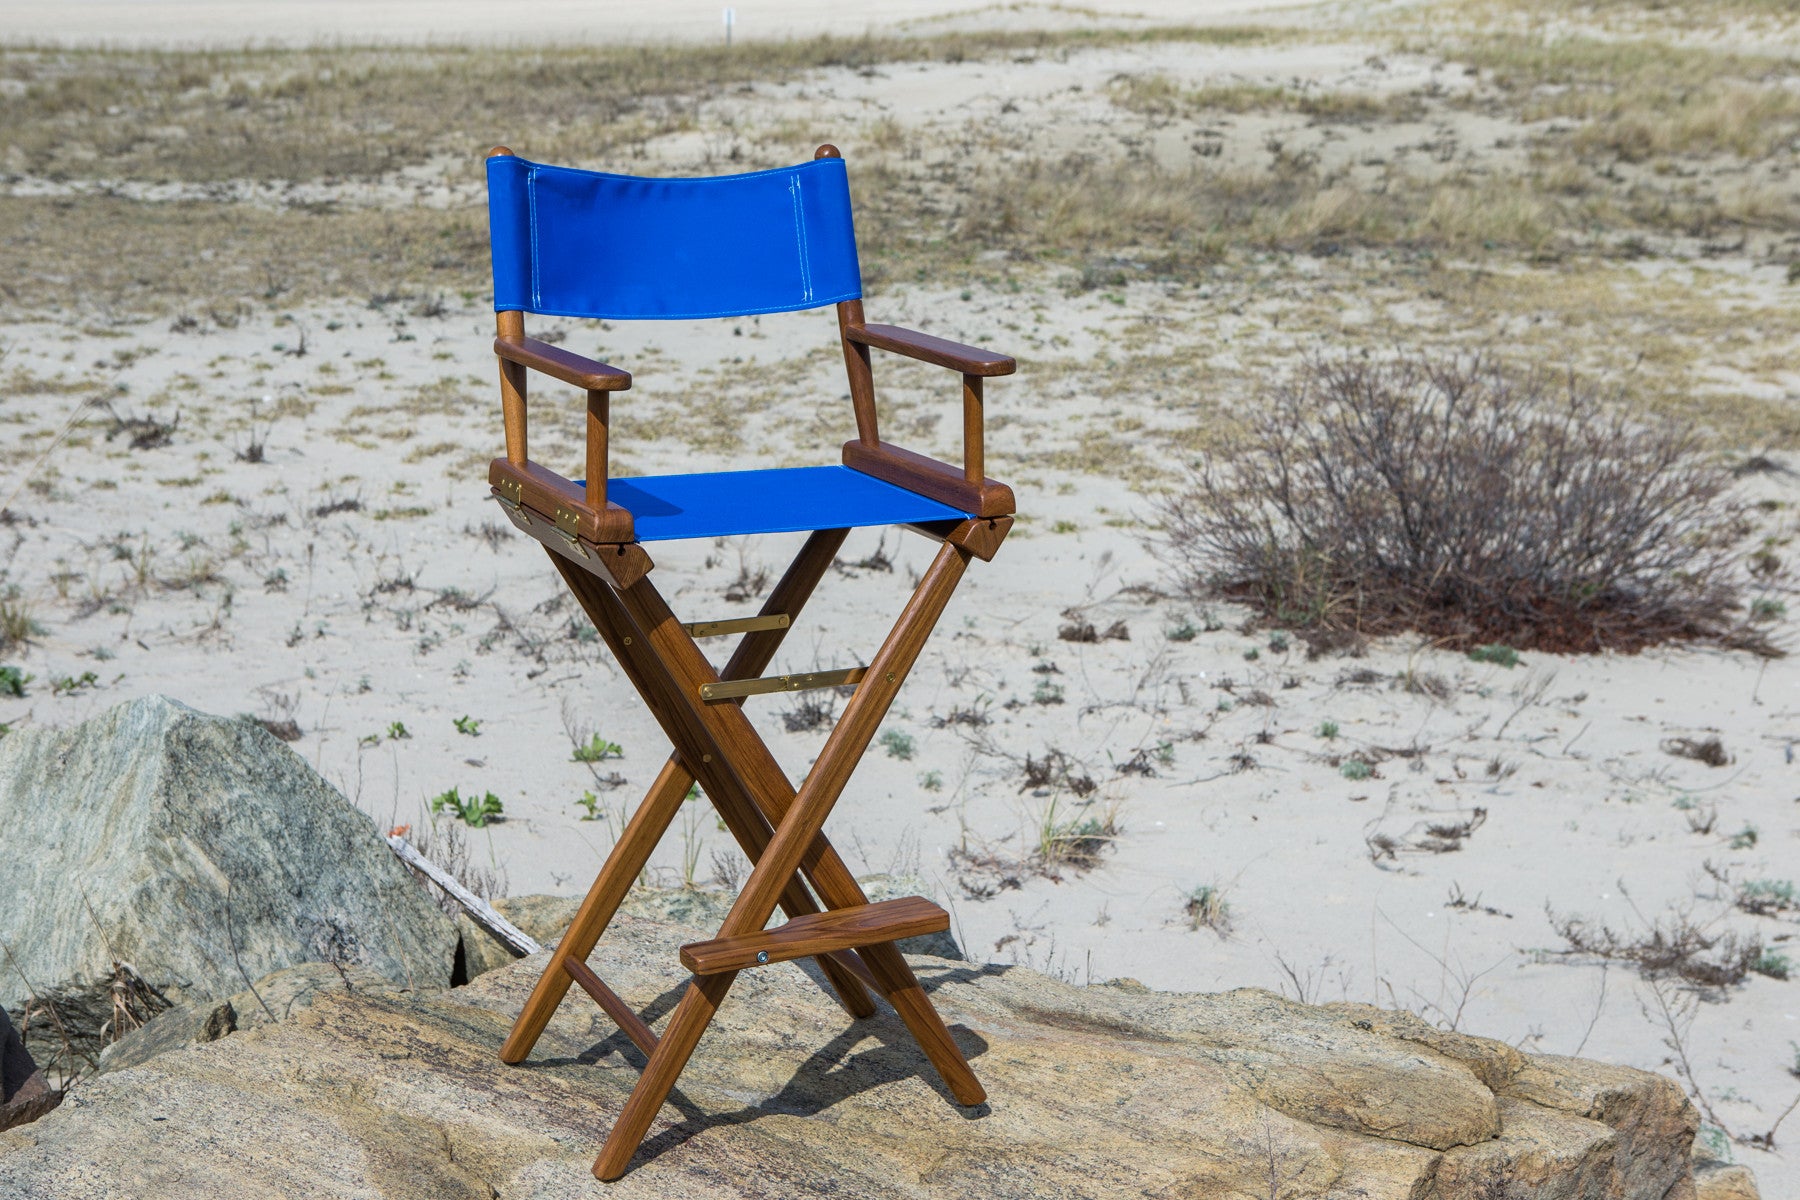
596,448
856,358
974,470
510,326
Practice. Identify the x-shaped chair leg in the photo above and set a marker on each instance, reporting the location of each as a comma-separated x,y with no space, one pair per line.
639,839
739,773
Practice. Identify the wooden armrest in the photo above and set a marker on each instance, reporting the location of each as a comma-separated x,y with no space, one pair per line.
922,346
563,364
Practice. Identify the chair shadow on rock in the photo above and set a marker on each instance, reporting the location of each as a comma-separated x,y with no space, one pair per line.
582,244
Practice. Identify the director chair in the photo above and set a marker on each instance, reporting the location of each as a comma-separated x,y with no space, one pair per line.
574,243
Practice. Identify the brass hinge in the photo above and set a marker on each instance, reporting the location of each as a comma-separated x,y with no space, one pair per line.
731,689
568,520
737,625
511,491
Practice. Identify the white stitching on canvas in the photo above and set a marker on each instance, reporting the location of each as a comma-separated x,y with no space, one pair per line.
806,288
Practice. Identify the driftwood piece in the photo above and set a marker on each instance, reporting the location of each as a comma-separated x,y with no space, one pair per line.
479,910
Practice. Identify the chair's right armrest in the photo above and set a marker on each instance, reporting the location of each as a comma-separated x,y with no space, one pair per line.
970,360
566,365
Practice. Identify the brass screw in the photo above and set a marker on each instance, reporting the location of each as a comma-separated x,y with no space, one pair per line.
890,677
628,641
706,758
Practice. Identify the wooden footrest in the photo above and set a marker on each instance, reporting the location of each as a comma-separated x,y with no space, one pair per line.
818,933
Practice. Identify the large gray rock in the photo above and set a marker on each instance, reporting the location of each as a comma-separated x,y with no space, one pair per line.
201,851
1099,1093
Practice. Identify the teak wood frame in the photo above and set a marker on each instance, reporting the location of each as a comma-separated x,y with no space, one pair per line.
779,826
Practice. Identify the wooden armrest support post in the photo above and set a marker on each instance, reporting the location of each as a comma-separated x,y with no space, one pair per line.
969,489
516,477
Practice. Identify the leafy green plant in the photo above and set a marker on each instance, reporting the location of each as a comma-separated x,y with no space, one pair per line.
468,725
1187,631
1774,964
1355,770
1765,897
13,681
1744,839
597,749
63,685
590,804
1047,692
475,811
1328,729
1764,608
1500,656
898,744
1252,654
931,781
397,730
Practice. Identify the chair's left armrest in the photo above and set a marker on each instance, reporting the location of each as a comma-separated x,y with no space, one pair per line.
562,364
970,360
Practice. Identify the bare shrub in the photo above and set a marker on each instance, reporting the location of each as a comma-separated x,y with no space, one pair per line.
1464,500
1675,946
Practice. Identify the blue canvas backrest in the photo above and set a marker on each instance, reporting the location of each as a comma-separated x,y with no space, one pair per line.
571,243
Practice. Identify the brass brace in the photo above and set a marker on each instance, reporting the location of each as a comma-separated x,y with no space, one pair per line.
701,629
731,689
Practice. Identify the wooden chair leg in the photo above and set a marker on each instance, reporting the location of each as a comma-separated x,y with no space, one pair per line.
804,842
628,858
690,1019
741,816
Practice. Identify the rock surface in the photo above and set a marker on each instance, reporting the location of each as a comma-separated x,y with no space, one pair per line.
1095,1092
200,850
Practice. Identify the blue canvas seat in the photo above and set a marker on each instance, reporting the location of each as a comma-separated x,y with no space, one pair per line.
782,500
585,244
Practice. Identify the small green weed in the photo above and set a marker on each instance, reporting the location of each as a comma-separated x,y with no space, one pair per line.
898,744
1744,839
1773,964
474,811
1047,693
1187,631
13,681
1766,897
590,806
1207,908
1500,656
396,731
1767,609
468,725
1328,729
598,749
1356,770
1252,654
931,781
66,684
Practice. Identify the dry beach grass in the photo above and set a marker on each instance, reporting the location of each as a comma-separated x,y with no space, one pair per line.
246,403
